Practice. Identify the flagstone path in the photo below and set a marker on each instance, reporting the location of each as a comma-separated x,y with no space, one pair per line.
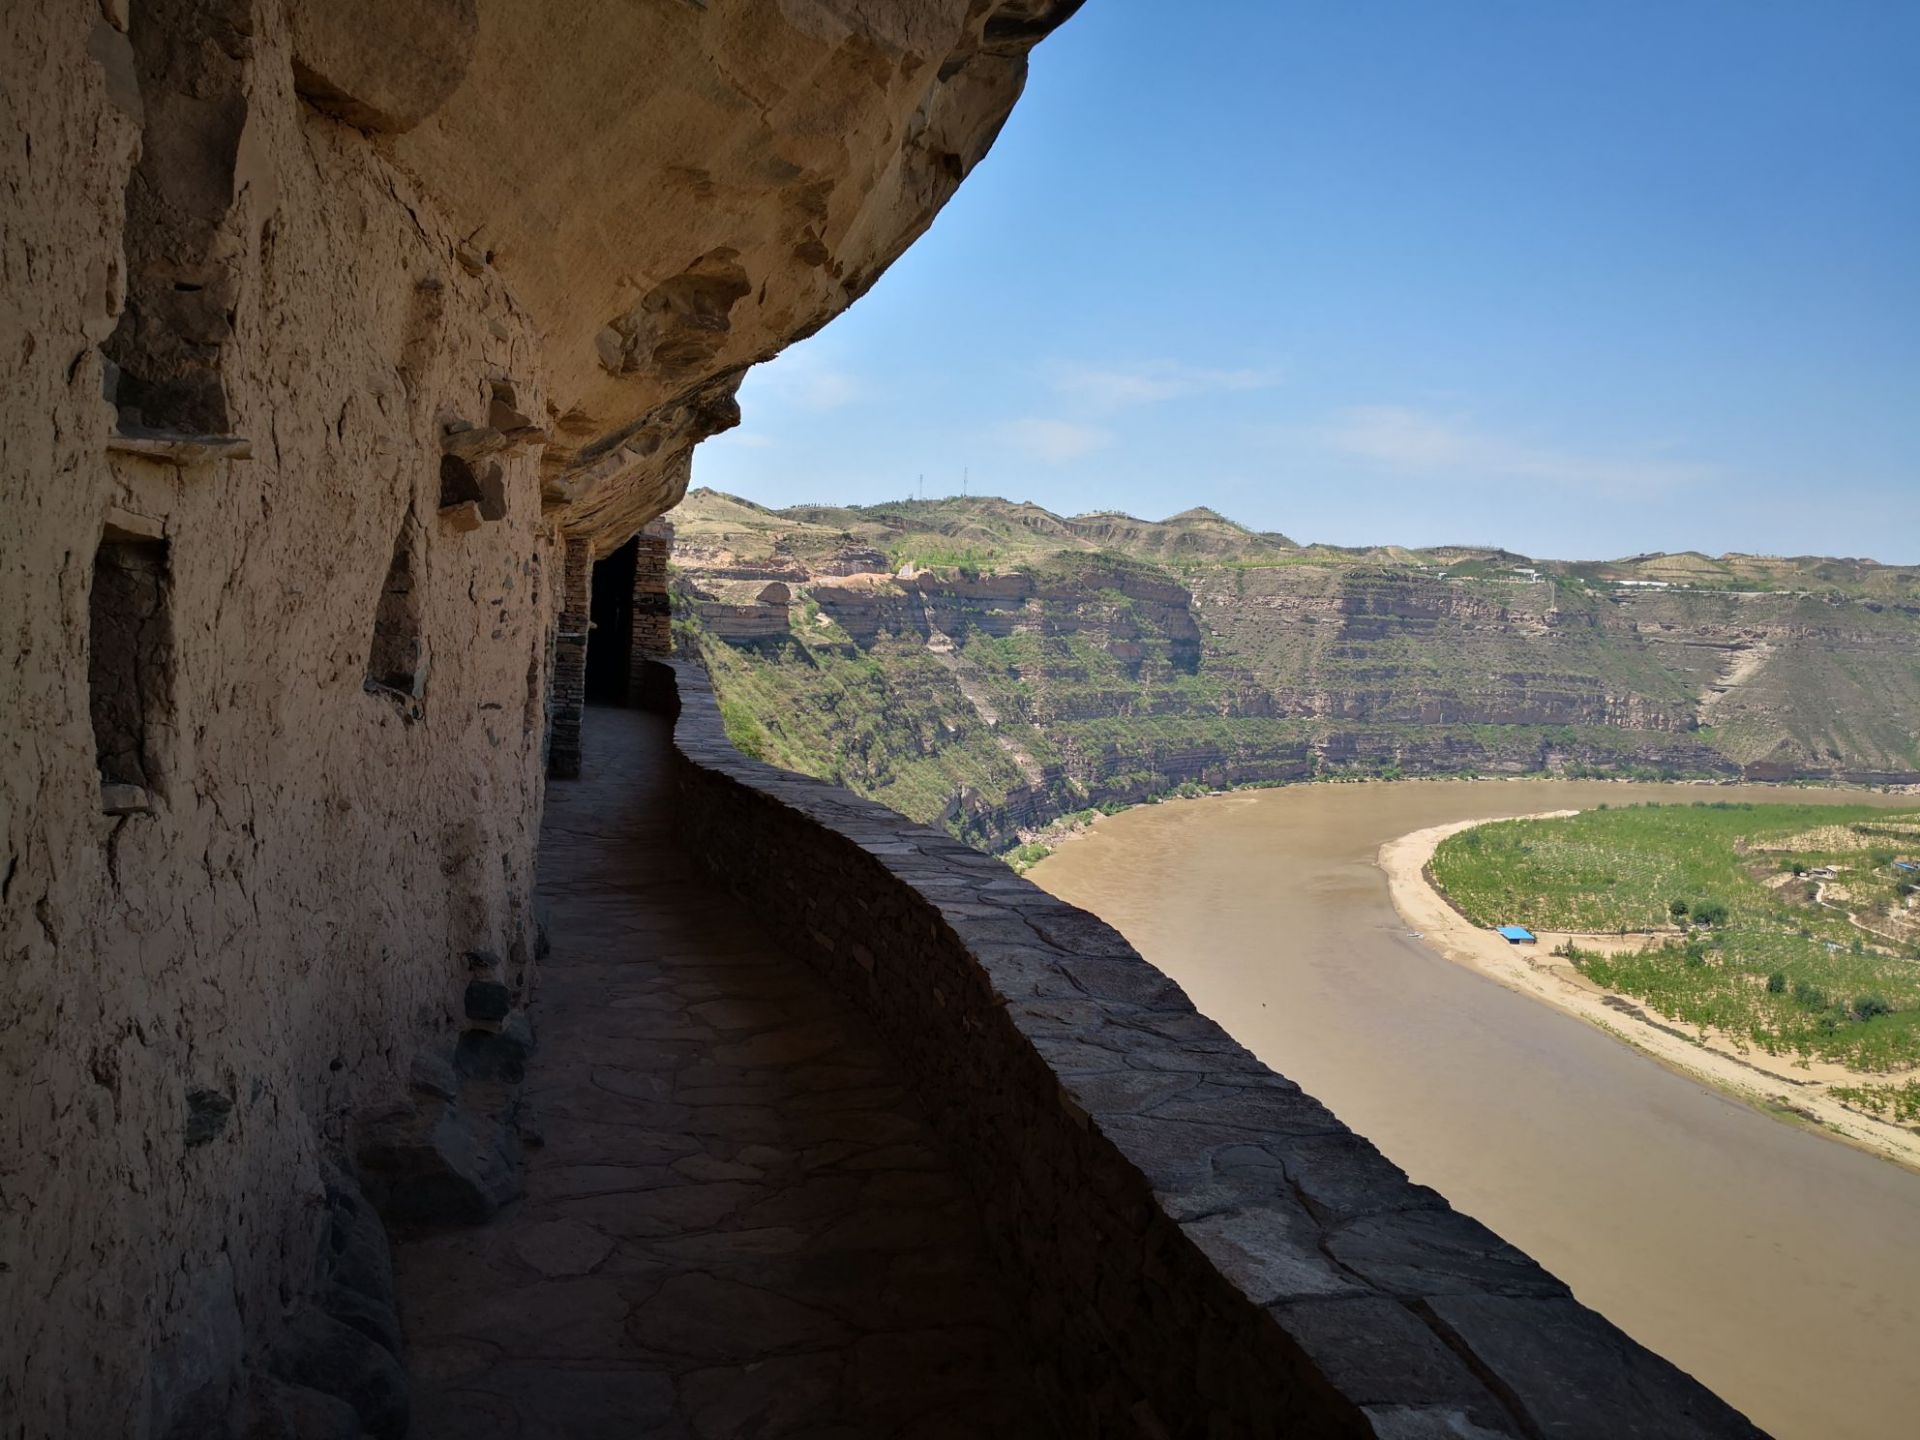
739,1224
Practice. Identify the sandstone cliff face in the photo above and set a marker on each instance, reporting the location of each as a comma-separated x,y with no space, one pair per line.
677,196
327,323
996,699
1390,648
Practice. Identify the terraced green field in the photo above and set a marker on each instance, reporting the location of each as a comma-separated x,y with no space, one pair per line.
1792,961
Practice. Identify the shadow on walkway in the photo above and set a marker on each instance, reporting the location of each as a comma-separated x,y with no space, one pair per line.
739,1224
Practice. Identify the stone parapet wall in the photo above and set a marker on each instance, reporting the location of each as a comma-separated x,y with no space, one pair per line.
1201,1248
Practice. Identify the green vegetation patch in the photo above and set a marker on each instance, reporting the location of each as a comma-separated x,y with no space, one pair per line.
1799,950
1898,1103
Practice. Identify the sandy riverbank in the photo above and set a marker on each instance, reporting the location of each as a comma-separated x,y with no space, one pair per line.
1779,1084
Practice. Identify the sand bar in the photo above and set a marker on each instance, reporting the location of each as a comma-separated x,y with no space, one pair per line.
1783,1085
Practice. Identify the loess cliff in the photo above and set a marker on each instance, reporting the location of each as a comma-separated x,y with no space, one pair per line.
992,666
339,337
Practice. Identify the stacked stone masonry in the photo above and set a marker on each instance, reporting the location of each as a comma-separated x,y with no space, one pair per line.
571,638
1199,1248
737,1221
652,611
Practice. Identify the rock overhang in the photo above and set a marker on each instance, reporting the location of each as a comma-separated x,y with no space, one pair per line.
670,193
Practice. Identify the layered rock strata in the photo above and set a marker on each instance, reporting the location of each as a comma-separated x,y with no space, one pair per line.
997,699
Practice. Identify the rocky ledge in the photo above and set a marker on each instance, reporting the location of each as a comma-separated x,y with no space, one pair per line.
1200,1247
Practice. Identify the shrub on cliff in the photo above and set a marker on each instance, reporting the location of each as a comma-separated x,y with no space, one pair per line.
1023,858
749,737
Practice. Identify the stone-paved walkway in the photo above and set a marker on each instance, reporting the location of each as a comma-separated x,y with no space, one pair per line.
739,1224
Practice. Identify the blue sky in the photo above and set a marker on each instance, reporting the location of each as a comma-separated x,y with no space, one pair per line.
1584,278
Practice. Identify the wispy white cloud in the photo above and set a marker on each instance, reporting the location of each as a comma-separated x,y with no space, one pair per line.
1092,398
806,380
1103,389
750,440
1417,442
1053,441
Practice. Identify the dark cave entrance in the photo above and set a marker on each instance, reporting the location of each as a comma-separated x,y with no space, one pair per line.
610,642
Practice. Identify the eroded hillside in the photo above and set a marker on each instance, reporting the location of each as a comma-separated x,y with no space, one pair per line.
991,666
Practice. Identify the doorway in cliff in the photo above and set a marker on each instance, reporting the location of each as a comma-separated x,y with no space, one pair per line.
610,645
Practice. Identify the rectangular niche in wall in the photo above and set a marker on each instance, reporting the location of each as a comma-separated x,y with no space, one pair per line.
183,251
397,657
130,668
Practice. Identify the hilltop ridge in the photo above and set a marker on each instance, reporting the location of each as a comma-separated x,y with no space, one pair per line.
1008,532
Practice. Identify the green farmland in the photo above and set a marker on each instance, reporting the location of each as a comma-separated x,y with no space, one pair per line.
1793,928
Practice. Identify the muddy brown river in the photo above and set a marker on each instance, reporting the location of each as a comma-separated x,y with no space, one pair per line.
1780,1267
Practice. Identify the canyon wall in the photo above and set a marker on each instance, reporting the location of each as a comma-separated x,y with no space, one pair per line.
1012,681
328,329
